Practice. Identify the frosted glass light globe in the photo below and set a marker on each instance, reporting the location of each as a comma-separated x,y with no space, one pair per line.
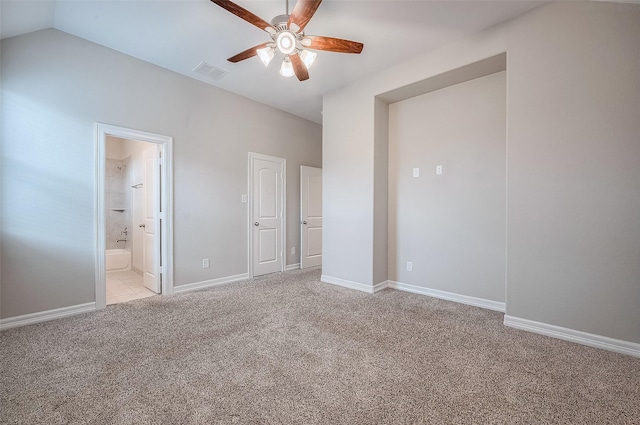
286,42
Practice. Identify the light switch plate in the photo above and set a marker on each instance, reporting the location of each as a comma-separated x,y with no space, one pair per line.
244,199
416,172
293,250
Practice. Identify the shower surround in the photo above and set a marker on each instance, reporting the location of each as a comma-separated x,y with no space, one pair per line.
118,203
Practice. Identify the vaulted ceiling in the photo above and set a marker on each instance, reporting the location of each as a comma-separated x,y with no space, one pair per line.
180,34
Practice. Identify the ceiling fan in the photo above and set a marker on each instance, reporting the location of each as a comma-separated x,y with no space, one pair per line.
288,37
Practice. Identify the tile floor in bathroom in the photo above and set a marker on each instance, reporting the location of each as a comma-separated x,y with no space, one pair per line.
125,286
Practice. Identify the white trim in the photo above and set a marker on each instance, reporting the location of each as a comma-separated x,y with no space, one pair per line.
380,286
45,316
209,283
572,335
450,296
295,266
166,144
506,181
348,284
283,208
99,226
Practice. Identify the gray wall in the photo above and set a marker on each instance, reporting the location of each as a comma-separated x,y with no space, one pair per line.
347,242
451,226
574,168
55,86
573,180
381,193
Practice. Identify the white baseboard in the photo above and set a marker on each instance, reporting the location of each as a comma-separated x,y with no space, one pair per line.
348,284
450,296
209,283
380,286
290,267
572,335
45,316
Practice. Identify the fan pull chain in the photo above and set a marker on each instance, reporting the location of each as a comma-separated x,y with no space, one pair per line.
287,11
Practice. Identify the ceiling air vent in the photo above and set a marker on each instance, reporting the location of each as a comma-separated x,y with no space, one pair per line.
210,71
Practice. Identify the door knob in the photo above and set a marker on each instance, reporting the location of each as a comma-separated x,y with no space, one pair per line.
304,222
256,224
141,225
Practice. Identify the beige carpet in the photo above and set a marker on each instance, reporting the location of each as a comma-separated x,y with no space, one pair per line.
287,349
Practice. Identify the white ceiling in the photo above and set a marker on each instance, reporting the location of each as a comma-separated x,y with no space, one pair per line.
179,34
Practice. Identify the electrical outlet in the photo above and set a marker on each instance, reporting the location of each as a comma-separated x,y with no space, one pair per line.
438,170
293,250
205,263
416,172
409,266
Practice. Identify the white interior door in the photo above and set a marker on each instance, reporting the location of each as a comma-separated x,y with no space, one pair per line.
267,179
151,221
310,216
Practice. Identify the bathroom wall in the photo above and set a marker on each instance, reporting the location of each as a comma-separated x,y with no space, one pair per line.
133,150
120,193
117,195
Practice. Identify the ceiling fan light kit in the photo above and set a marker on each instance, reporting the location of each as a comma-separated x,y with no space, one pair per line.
308,58
287,33
286,42
266,54
286,70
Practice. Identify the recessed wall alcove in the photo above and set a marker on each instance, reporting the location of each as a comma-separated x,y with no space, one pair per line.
449,229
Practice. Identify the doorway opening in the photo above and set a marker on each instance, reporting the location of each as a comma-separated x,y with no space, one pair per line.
133,223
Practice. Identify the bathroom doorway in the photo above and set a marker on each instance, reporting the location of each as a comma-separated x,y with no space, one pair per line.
133,258
131,174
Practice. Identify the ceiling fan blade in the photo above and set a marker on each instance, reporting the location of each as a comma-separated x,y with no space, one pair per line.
249,53
243,13
331,44
299,68
303,12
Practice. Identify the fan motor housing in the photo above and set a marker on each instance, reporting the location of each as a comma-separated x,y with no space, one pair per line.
280,22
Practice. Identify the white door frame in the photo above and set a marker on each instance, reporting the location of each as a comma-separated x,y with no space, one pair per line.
283,206
166,194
